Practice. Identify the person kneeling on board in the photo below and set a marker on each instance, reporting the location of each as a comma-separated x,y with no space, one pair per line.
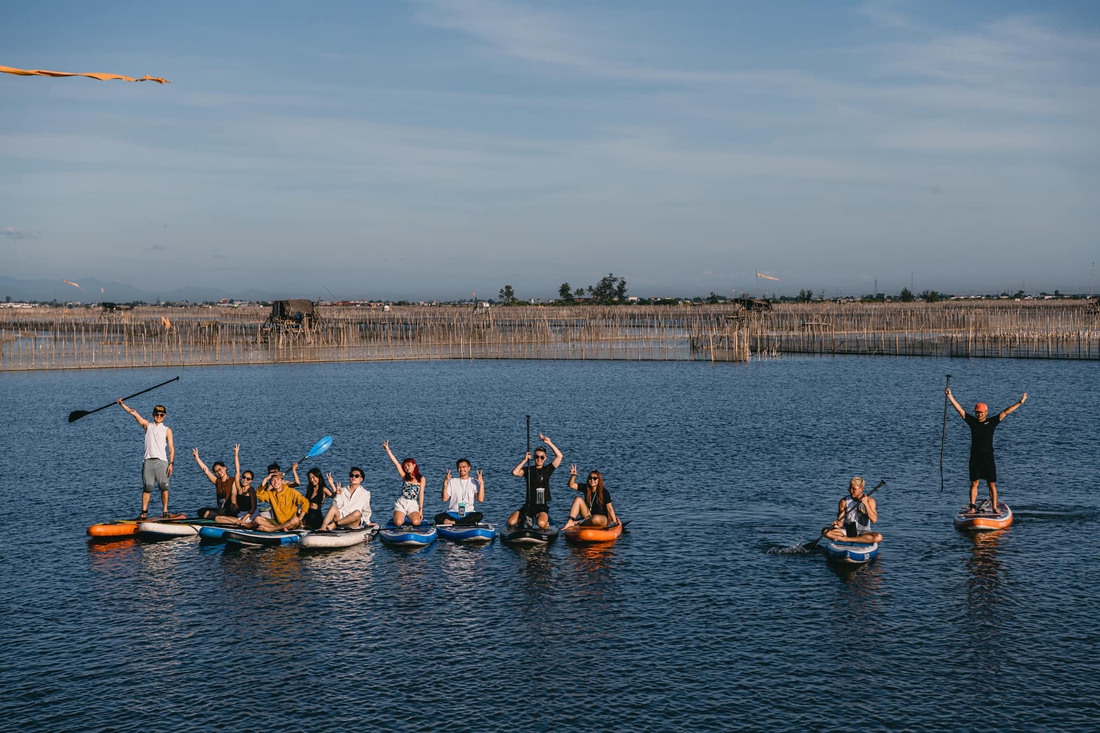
855,515
350,504
982,465
536,505
287,506
461,494
594,508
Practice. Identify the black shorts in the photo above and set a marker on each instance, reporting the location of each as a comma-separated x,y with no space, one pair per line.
983,467
532,511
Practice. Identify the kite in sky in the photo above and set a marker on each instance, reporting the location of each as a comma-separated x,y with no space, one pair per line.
73,284
767,277
90,75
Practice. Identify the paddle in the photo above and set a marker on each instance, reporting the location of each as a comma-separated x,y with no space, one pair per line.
825,531
943,437
77,414
318,448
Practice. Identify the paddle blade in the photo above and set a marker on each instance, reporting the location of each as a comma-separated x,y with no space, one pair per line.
320,446
77,414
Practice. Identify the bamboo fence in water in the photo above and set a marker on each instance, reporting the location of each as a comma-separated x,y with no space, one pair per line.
51,338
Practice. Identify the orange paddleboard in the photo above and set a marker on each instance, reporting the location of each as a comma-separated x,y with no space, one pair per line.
122,527
985,521
581,533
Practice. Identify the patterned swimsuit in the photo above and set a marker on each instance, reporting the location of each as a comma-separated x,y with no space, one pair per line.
410,490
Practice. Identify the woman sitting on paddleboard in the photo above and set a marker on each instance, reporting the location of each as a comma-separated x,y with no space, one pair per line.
242,505
855,515
316,493
411,502
594,508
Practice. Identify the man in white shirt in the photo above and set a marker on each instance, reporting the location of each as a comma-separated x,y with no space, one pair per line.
461,494
350,504
157,466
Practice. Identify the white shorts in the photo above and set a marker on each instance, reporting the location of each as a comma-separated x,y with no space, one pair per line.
406,506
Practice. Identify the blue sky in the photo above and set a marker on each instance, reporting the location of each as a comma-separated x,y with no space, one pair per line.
437,148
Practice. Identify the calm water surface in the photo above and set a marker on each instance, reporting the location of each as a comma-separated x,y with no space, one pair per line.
686,623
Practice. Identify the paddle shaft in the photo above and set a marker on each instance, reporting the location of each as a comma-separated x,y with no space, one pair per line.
528,459
826,530
943,437
77,414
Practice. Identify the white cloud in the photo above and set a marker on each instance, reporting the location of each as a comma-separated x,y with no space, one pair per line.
13,233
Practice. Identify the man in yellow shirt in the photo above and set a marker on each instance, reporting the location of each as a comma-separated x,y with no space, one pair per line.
287,505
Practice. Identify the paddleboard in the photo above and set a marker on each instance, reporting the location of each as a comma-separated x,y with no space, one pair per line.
214,532
256,538
337,538
583,534
480,533
855,553
408,535
123,527
187,527
521,535
985,520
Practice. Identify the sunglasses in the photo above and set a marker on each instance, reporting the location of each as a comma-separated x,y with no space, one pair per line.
355,475
593,478
158,413
246,478
540,458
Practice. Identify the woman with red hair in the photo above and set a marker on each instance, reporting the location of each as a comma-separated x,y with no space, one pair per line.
411,502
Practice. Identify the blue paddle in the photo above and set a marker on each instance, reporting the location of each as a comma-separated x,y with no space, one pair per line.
318,448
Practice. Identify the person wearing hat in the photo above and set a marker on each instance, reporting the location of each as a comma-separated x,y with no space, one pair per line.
288,507
982,465
160,456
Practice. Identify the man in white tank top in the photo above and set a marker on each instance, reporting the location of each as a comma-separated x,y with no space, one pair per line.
160,456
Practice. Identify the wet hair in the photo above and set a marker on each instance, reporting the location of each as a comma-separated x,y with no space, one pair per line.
273,467
589,492
413,475
216,464
463,460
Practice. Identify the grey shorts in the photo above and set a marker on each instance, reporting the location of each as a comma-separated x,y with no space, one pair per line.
154,471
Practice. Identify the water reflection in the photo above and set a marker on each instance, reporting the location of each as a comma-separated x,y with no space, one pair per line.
983,582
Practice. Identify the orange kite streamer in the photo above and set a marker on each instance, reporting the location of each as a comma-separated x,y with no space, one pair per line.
90,75
67,282
167,324
767,277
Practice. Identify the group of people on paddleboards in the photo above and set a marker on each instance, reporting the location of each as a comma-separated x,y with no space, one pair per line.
294,506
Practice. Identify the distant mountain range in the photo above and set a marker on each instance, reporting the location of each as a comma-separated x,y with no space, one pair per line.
89,292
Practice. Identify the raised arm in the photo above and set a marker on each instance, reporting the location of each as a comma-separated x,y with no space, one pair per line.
958,407
294,470
396,463
573,477
481,487
518,470
141,420
236,471
446,486
209,474
557,453
1012,408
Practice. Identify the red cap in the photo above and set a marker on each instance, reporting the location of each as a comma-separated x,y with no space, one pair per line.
981,406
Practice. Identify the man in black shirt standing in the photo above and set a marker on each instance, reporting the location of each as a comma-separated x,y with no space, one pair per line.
982,465
535,508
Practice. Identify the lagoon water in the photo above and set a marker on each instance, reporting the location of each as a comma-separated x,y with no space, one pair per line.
686,623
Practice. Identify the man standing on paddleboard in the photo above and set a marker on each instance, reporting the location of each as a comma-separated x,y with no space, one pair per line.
982,465
157,466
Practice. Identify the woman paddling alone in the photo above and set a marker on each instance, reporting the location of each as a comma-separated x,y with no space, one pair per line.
411,502
594,508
